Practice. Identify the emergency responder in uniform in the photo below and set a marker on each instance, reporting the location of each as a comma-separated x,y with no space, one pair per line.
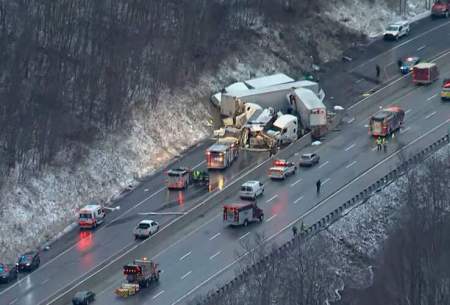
379,142
318,184
294,230
384,144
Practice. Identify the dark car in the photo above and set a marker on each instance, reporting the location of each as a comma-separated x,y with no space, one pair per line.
83,298
29,261
406,64
7,273
309,159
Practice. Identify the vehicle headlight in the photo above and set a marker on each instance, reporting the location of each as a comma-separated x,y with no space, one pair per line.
28,264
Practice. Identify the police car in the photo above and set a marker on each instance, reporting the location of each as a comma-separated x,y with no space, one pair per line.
406,64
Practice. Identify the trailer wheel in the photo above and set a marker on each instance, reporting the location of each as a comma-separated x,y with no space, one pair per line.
245,223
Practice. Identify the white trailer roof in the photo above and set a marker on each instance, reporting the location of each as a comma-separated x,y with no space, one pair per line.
267,81
284,120
309,99
299,84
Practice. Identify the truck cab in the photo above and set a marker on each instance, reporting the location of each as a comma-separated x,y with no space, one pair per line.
445,91
91,216
440,8
284,129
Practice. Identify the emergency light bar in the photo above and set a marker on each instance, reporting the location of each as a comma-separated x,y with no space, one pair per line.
280,163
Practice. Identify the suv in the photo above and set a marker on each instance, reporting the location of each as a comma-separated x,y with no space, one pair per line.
145,229
309,159
251,189
7,273
29,261
397,30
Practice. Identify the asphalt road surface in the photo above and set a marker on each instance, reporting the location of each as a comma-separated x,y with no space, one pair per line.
209,247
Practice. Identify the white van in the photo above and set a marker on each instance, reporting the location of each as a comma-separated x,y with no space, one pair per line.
285,129
91,216
397,30
251,189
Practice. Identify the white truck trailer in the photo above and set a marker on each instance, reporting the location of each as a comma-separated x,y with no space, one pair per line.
310,109
274,96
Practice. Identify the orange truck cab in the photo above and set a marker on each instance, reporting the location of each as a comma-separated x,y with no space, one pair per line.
425,73
91,216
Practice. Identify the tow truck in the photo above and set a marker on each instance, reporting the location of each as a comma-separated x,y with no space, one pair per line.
180,178
281,169
140,274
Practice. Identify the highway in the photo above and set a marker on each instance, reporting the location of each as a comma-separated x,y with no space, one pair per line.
205,247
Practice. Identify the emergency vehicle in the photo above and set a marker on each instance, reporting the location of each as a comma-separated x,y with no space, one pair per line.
180,178
445,92
91,216
386,121
425,73
222,154
281,169
140,274
237,214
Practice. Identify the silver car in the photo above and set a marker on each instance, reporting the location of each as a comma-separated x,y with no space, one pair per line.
145,229
309,159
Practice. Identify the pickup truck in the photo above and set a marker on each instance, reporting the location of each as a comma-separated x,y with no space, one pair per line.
281,169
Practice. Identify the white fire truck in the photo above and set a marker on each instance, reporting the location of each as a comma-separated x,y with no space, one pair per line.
237,214
222,154
91,216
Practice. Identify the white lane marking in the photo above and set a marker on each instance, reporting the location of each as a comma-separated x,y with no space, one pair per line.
351,164
432,97
271,198
45,281
323,164
351,120
271,217
375,148
186,255
298,181
244,236
186,275
325,181
359,80
421,48
366,125
404,130
42,267
214,255
430,115
350,147
296,154
13,301
325,201
400,45
408,111
298,199
145,190
216,235
158,294
199,164
395,81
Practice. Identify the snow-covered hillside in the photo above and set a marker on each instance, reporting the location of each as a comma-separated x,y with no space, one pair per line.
33,211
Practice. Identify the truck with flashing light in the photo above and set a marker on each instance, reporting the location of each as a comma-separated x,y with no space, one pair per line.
142,273
238,214
280,169
440,8
222,154
180,178
445,91
90,216
386,121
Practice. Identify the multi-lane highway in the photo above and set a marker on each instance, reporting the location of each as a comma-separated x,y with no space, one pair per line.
202,249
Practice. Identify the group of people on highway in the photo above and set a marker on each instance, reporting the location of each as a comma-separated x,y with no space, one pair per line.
381,144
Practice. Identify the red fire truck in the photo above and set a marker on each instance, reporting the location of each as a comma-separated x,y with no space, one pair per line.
385,121
222,154
237,214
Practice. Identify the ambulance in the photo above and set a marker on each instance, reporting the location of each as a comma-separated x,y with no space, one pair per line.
91,216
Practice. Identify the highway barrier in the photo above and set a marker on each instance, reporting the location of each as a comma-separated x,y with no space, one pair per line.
313,227
114,265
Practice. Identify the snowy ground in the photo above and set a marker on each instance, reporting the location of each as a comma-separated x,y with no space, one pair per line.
35,210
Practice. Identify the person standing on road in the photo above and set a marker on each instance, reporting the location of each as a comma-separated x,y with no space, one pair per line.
379,143
318,184
294,230
384,144
378,69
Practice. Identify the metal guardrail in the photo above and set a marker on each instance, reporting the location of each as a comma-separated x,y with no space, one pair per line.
330,217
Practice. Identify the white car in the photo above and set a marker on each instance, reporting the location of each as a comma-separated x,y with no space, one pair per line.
145,228
397,30
251,189
281,169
